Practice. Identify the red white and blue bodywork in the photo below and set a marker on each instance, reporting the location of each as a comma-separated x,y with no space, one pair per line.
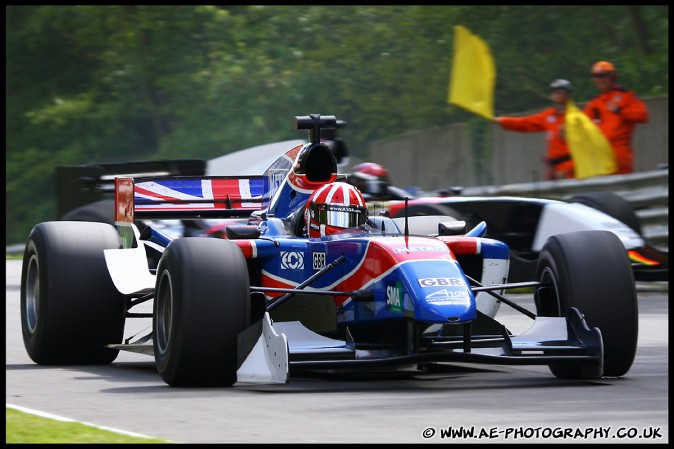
390,293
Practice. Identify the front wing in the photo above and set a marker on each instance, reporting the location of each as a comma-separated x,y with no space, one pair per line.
281,347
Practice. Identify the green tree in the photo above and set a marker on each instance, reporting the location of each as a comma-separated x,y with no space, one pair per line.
99,83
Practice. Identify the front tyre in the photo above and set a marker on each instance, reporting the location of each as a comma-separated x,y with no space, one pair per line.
613,205
70,309
589,270
202,302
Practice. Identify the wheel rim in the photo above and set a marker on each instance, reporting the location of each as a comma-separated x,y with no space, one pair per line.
32,294
164,312
550,292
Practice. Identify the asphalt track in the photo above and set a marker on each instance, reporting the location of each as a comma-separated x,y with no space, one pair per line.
504,404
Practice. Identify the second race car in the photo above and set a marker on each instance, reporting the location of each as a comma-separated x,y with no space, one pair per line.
523,223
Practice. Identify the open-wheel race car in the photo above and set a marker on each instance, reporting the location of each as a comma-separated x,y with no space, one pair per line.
523,223
313,281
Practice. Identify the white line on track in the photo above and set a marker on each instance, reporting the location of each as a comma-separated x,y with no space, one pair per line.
61,418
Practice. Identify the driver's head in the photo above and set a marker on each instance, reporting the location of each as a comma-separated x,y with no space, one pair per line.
334,207
371,179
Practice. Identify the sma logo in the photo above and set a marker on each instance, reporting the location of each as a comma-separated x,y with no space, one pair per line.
394,297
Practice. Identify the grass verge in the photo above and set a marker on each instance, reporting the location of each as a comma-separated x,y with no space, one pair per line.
26,428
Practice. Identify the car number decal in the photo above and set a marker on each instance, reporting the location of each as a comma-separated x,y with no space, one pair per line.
318,262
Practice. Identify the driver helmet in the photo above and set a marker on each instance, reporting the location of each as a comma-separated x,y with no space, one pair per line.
371,178
334,207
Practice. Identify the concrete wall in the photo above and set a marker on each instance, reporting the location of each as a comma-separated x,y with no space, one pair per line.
425,157
443,157
651,140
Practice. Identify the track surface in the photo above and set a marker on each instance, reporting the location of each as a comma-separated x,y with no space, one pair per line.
512,404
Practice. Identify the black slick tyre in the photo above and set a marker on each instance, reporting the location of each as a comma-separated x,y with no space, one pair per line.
102,211
612,205
414,210
70,309
589,270
202,302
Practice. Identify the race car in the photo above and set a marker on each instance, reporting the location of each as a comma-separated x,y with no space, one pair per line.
313,281
84,195
523,223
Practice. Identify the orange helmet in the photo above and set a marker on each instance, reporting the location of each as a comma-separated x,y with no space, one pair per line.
602,67
334,207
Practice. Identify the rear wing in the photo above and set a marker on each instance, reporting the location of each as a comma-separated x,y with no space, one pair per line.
78,185
280,191
183,197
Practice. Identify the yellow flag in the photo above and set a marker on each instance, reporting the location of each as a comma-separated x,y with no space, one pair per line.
471,82
590,150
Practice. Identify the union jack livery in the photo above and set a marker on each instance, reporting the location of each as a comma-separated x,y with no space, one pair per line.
308,278
198,195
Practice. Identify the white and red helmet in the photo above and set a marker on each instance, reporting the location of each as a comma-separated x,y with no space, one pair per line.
371,179
334,207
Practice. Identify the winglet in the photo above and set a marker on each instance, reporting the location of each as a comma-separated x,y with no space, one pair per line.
124,210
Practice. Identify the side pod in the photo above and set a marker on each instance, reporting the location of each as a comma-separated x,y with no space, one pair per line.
129,269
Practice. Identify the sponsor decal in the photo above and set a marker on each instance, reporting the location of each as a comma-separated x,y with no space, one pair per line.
448,297
292,260
394,297
295,201
275,180
318,260
441,282
418,248
342,208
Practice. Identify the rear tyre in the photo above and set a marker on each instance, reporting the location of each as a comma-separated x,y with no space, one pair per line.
589,270
70,309
102,211
426,227
613,205
202,302
415,210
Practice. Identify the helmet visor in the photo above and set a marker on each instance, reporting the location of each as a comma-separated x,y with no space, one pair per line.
342,216
376,186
